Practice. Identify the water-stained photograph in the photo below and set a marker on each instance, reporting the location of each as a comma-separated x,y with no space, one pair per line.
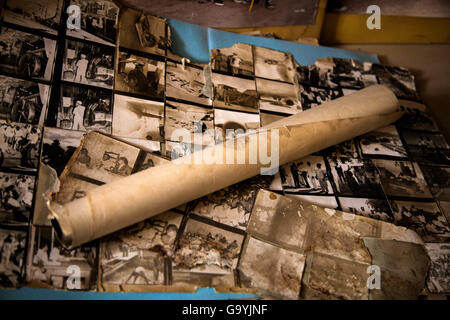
277,96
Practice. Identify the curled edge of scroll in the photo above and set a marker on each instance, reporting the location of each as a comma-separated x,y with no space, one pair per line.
124,202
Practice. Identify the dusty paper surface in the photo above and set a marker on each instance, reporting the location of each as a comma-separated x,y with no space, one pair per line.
137,197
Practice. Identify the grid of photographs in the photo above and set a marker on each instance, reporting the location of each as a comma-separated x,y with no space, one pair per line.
125,83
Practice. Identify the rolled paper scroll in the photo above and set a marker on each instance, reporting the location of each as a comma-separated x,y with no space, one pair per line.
126,201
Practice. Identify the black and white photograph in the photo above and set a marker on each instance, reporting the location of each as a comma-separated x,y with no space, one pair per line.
346,149
234,93
16,193
84,109
273,64
212,279
147,145
311,97
427,147
138,118
355,177
23,101
26,54
12,253
277,96
314,76
52,264
351,74
185,83
70,189
229,123
98,21
423,217
43,15
19,147
274,270
445,209
236,60
195,120
416,117
88,64
307,175
104,159
279,220
438,280
438,180
59,146
399,80
206,248
174,150
142,32
321,201
382,142
232,205
371,208
402,178
140,75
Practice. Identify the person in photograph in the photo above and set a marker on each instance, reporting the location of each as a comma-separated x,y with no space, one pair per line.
81,68
322,177
234,62
78,116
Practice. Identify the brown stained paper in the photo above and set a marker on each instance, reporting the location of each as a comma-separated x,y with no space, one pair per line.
126,201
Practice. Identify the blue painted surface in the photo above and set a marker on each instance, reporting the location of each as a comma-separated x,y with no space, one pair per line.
194,42
49,294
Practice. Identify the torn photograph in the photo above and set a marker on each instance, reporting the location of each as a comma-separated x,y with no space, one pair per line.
275,271
355,177
314,76
71,188
268,118
228,123
44,15
205,248
84,109
416,117
185,83
104,159
236,60
12,253
278,220
174,150
52,264
186,278
371,208
382,142
59,146
16,194
23,101
321,201
423,217
234,93
399,80
273,64
142,32
351,74
312,96
19,148
439,273
140,75
427,147
138,118
277,96
26,54
198,121
232,205
98,21
438,180
88,64
402,178
308,175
